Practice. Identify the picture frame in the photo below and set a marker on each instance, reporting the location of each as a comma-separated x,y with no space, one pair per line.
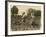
23,6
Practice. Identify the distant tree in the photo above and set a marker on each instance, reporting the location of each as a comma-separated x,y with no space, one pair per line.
34,12
37,13
14,10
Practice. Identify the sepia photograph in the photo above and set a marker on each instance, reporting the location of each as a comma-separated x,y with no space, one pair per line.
25,18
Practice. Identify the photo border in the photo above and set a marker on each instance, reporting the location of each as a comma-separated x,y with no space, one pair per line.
6,18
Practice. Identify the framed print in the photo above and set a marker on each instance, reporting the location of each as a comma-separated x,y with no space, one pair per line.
24,18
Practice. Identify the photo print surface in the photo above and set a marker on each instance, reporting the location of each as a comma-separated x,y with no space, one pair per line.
25,18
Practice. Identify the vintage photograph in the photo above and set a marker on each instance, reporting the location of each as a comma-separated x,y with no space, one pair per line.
25,18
